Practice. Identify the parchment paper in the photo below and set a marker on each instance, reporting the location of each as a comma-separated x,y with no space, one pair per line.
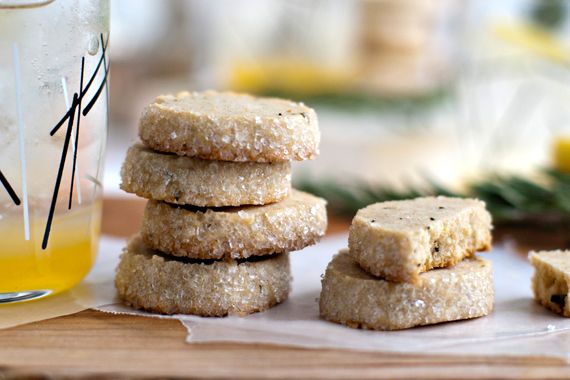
517,326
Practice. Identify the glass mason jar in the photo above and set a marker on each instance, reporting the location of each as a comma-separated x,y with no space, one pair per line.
53,126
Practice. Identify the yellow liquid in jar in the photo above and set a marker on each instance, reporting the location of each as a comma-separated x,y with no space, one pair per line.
70,254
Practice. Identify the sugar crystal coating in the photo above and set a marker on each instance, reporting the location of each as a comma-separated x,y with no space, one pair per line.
355,298
237,232
151,281
193,181
230,127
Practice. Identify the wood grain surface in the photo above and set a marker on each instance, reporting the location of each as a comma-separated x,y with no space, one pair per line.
97,345
92,344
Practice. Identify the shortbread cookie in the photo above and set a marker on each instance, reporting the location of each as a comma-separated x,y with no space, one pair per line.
239,232
357,299
150,281
193,181
551,280
230,127
398,240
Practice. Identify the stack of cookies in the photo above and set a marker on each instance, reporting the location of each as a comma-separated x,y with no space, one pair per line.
411,263
221,216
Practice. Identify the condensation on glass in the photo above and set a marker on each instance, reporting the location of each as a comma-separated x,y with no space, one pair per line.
53,125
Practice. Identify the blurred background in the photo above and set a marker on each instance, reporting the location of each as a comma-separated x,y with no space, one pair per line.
413,96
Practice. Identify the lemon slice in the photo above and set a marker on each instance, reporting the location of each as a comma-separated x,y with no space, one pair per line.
534,40
562,153
294,76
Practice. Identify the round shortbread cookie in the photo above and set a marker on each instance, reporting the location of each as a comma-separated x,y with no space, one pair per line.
193,181
238,232
228,126
150,281
353,297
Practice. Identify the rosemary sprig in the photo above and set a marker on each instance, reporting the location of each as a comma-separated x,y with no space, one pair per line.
361,102
509,198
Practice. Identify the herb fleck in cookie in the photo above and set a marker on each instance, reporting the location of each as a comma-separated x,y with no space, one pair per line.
203,183
151,281
357,299
236,232
398,240
228,126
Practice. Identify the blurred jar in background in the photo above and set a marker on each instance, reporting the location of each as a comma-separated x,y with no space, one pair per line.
292,48
400,50
513,91
314,48
379,73
405,89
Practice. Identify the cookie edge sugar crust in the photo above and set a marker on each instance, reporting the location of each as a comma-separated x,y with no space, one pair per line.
286,136
355,298
152,282
232,233
193,181
401,254
549,281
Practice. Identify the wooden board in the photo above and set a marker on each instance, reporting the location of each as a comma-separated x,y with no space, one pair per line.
90,343
93,344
